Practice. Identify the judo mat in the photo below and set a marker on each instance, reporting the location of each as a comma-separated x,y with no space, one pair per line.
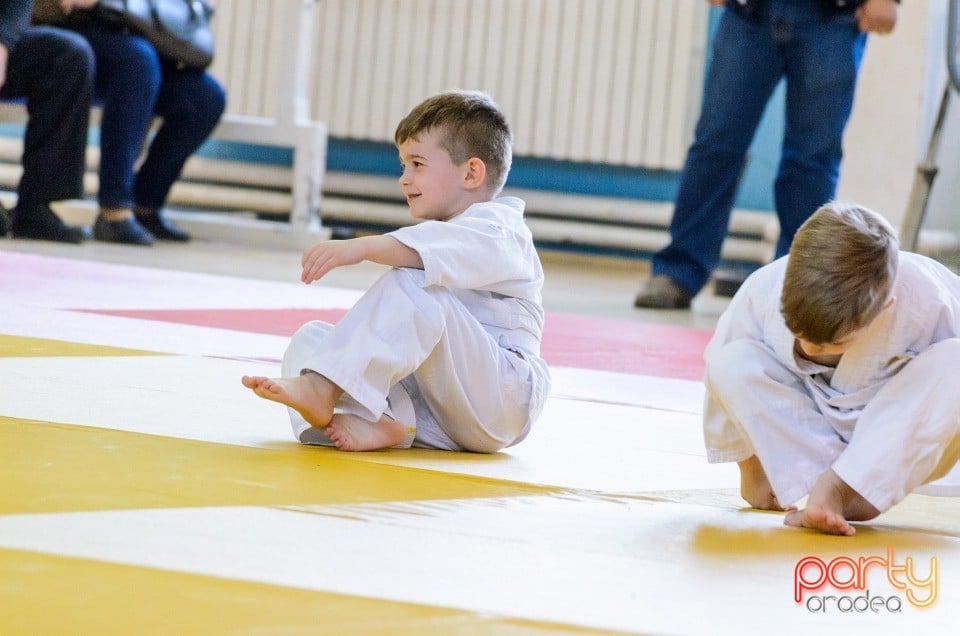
145,491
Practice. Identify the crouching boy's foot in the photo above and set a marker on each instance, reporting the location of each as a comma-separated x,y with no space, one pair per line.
351,432
820,518
831,506
310,394
755,487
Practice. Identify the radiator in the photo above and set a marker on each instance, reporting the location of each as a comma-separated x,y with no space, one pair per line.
612,81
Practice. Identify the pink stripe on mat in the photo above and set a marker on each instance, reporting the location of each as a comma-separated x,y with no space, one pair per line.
572,341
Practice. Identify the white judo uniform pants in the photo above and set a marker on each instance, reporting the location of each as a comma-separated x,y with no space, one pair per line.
908,434
418,355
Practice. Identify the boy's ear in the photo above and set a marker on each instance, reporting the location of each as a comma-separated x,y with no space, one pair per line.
475,175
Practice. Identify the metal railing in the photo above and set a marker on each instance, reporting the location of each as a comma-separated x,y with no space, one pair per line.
953,66
927,168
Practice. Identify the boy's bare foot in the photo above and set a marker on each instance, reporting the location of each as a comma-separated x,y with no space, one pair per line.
310,394
820,518
830,504
755,488
353,433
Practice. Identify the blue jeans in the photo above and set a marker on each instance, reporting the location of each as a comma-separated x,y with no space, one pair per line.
819,59
134,85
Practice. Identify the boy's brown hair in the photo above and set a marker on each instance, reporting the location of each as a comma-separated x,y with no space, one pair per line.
470,125
843,262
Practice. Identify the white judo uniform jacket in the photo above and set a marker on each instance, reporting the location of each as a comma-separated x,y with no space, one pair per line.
886,419
451,351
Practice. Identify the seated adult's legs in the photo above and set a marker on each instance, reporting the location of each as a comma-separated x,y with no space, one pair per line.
127,83
191,103
53,70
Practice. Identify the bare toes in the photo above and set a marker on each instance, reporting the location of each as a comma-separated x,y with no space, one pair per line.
794,518
272,387
251,382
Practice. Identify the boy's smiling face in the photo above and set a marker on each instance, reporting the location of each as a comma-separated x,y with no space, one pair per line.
433,185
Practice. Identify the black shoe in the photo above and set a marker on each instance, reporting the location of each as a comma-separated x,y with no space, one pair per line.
42,224
162,227
662,293
123,231
726,283
4,220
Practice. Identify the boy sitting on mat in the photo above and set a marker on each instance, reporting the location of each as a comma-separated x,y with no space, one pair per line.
833,374
443,351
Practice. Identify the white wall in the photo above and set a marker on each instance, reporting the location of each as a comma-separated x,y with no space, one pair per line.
944,207
897,98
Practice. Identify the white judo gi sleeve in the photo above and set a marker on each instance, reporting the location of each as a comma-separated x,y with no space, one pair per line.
476,391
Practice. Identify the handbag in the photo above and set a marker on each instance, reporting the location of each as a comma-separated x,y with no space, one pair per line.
178,29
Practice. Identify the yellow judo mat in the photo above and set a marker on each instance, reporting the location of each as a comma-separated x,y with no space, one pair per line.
144,491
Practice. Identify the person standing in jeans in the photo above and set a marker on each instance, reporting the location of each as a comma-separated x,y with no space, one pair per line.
817,45
135,84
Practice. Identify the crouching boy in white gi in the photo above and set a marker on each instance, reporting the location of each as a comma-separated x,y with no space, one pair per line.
833,373
444,350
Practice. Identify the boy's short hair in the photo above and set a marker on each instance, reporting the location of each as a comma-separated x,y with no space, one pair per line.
470,124
843,262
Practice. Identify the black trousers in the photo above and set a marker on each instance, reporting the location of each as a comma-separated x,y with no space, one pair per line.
53,70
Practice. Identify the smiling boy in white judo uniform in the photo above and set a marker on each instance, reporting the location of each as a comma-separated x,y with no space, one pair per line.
834,373
444,350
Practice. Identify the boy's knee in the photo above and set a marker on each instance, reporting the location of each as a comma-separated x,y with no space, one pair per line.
302,344
947,350
311,334
404,289
405,277
731,364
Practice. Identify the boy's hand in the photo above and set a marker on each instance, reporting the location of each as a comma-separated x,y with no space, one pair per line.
323,257
320,259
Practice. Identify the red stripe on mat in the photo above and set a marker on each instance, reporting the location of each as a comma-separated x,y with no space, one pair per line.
568,340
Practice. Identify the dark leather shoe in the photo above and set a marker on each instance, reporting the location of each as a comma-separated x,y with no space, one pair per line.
162,227
42,224
123,231
4,221
662,293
